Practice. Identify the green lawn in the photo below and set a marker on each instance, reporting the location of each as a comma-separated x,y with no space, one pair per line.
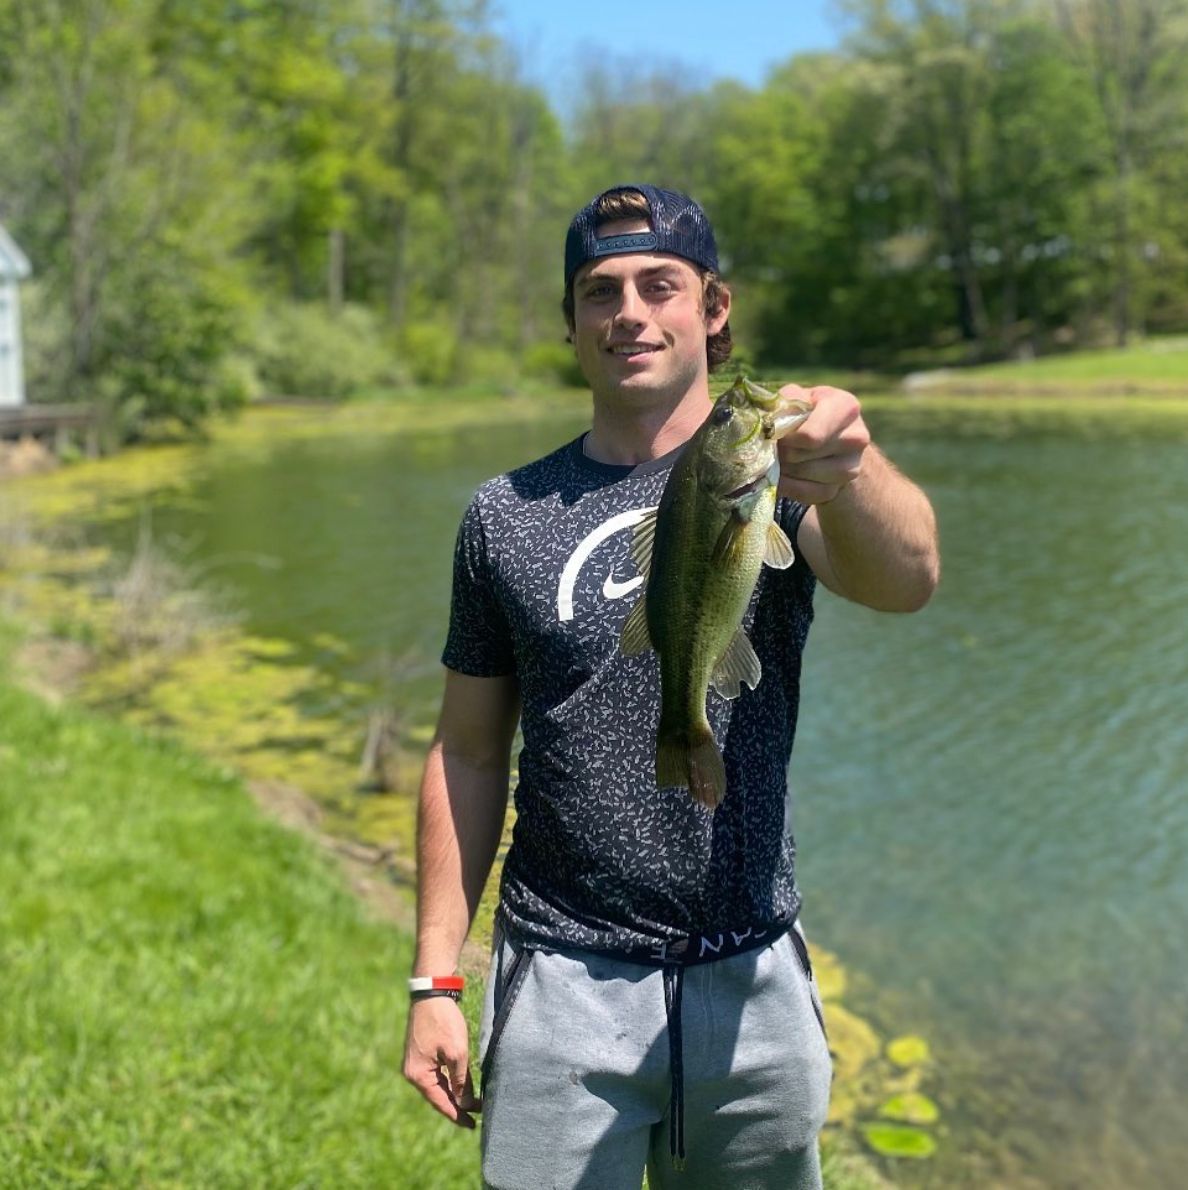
190,995
1156,363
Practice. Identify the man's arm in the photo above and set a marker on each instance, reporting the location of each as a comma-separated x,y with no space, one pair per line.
870,533
459,825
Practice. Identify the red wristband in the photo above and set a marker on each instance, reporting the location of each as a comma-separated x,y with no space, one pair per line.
436,983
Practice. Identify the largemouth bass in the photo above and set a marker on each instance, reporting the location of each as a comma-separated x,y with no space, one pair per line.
700,553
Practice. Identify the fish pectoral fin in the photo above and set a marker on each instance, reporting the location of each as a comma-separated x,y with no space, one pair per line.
728,539
642,541
737,666
635,638
778,552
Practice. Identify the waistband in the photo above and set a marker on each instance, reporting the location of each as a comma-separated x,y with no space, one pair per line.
689,950
693,949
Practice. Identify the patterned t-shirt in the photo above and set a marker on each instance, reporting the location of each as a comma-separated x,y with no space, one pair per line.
600,858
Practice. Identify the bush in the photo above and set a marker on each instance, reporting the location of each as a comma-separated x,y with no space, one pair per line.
302,350
45,335
163,351
555,362
488,366
430,351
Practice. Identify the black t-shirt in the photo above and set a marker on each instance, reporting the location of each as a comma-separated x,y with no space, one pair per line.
600,858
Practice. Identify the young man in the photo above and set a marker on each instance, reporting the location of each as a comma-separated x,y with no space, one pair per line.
650,998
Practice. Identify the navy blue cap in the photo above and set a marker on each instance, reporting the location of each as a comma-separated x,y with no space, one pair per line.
678,225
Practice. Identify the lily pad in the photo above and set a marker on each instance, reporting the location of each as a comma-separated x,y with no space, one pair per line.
908,1051
831,975
899,1140
912,1108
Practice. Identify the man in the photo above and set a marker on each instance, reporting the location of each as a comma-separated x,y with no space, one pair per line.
650,999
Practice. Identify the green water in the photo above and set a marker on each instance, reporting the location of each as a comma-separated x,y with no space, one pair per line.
989,797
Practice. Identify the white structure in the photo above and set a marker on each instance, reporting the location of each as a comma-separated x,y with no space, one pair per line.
14,268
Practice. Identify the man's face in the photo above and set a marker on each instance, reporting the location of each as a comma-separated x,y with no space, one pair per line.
639,323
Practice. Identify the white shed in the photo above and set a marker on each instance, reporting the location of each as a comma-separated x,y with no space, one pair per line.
14,268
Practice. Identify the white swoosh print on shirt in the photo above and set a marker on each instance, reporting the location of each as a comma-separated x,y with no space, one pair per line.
581,554
613,589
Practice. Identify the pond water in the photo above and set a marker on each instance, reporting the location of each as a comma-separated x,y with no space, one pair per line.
990,798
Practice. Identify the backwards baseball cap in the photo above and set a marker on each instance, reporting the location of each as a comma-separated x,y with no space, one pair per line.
678,225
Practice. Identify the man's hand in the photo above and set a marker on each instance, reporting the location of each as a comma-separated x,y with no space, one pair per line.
436,1058
824,453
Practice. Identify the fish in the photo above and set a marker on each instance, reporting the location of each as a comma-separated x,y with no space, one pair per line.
700,552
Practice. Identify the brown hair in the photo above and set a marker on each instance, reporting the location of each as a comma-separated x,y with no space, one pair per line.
630,204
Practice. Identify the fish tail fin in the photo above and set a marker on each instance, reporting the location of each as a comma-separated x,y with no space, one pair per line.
692,759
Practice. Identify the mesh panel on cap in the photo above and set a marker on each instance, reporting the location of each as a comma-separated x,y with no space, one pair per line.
679,226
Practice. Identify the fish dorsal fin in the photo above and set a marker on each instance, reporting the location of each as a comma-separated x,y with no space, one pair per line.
778,551
738,665
642,541
635,637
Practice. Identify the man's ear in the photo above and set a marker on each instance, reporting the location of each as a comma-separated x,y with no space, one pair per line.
716,321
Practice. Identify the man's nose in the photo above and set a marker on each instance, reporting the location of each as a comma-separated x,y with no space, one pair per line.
632,309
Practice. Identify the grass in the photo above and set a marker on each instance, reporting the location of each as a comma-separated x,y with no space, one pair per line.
191,996
1150,365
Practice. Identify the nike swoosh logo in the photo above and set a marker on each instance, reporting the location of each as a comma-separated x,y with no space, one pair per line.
616,590
581,555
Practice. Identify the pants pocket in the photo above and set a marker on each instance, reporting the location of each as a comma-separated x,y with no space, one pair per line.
510,971
800,946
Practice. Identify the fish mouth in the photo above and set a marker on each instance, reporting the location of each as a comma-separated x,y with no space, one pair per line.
747,488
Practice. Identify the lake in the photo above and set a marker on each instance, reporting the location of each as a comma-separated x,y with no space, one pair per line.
990,798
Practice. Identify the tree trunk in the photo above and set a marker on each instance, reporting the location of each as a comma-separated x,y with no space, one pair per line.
335,271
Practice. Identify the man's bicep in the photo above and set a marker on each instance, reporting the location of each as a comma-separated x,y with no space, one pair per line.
478,718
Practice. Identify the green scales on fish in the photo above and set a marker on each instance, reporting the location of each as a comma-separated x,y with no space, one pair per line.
700,552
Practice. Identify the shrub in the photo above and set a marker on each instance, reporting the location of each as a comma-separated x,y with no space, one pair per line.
302,350
488,366
163,352
555,362
430,351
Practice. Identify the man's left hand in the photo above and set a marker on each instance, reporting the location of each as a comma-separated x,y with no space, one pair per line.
823,455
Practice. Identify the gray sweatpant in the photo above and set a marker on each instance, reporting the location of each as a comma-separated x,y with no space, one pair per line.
578,1081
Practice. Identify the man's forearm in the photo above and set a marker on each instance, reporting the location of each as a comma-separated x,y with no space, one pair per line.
459,825
881,540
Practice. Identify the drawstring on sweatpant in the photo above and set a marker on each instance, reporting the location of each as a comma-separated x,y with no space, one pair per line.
674,982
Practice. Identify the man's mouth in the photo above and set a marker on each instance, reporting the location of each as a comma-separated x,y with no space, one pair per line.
630,349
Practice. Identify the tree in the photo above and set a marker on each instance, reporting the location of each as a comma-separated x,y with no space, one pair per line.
1135,53
112,178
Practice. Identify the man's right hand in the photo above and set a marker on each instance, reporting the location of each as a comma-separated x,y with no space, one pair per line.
436,1058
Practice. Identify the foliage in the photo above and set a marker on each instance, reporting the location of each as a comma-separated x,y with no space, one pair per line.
910,1108
899,1140
306,350
553,361
908,1051
964,179
430,350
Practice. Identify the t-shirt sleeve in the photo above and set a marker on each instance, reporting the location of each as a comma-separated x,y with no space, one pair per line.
789,514
479,641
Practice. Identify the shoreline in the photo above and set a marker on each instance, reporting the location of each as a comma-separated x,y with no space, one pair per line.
178,695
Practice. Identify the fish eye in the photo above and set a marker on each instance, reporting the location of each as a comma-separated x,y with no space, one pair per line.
722,415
